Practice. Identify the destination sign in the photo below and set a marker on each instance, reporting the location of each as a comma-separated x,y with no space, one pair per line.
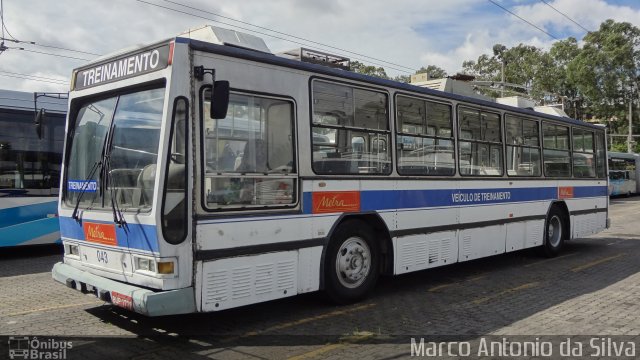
123,67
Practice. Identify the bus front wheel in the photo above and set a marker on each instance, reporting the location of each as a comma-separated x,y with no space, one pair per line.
352,262
554,233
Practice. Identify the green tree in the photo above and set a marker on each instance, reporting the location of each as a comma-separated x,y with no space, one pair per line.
434,72
523,64
556,80
370,70
606,71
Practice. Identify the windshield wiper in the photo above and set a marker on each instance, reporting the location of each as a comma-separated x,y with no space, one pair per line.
105,175
85,184
99,163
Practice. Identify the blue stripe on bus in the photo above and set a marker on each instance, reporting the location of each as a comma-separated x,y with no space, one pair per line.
25,213
139,236
374,200
307,202
590,191
22,233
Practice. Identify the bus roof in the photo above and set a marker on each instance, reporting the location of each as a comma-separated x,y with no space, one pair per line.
24,101
326,70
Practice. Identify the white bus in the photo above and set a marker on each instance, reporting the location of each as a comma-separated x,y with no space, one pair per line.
624,174
327,180
30,162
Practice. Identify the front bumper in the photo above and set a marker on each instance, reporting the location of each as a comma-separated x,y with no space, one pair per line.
140,300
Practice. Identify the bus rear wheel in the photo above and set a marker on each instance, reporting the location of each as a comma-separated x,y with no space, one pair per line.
554,232
352,263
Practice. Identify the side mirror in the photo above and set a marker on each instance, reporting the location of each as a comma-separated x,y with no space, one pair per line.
219,100
40,116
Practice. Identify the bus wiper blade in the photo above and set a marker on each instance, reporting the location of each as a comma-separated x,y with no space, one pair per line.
96,165
118,217
85,184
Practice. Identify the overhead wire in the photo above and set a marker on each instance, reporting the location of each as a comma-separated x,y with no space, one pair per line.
13,39
49,46
52,54
2,18
290,35
254,31
523,19
27,77
565,15
4,27
34,76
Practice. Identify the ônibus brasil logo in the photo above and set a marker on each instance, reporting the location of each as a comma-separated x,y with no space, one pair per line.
34,348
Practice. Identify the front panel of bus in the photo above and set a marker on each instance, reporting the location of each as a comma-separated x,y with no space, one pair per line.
123,205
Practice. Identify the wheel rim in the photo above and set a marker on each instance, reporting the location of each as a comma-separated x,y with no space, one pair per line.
554,231
353,262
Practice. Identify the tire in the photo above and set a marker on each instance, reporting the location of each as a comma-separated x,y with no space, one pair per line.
554,230
351,263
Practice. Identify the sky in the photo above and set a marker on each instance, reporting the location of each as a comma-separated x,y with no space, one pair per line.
400,36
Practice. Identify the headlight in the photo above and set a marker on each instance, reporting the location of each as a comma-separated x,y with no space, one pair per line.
73,250
166,266
145,264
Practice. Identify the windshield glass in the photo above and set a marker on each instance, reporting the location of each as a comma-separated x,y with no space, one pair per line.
135,137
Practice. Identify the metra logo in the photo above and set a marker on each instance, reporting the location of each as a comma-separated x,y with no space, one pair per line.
100,233
336,201
565,192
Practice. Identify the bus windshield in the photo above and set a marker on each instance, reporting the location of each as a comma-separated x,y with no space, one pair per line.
134,120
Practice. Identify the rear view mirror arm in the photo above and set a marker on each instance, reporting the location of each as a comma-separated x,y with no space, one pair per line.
219,92
40,115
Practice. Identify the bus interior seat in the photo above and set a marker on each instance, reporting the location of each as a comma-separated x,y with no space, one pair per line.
143,193
124,182
254,157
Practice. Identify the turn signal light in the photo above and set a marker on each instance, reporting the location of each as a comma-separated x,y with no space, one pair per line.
165,267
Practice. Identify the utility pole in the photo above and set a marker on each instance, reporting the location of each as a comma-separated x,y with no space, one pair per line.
630,137
498,52
502,82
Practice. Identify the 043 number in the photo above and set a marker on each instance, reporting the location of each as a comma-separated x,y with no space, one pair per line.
102,256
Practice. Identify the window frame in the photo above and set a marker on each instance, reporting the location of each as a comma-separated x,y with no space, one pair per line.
54,120
398,132
604,159
75,105
388,133
460,140
507,145
569,149
297,192
187,144
583,132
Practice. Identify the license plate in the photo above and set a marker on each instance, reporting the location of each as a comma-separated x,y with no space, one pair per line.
121,300
102,258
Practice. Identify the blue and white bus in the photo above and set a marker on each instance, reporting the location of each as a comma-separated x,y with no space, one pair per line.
624,174
30,163
330,179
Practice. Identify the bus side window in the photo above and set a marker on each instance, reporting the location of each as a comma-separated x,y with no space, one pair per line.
350,117
174,204
480,143
250,154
